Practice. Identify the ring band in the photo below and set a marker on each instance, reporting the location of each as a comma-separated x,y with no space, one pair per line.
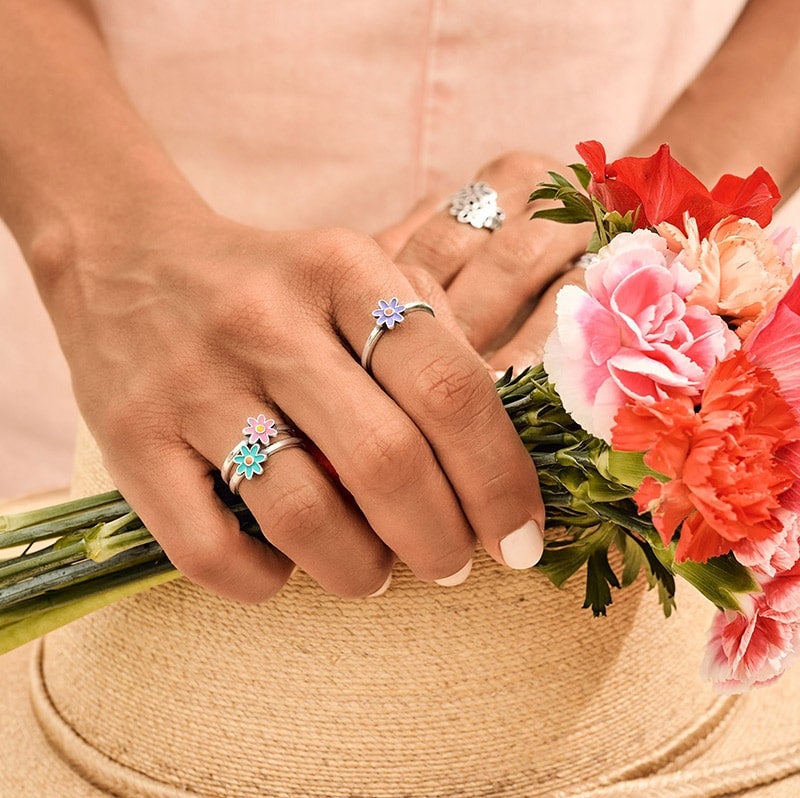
228,464
388,314
476,205
241,474
246,459
587,260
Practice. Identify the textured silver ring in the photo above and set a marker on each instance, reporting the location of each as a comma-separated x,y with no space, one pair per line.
476,204
587,260
387,314
247,459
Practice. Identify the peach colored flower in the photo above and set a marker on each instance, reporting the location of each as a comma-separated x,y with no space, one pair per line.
751,648
725,474
631,337
743,270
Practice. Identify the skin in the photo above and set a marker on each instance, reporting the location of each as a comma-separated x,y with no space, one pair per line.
143,282
169,355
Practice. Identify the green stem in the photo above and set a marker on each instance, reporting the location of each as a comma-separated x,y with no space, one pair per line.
14,521
31,565
43,614
14,532
54,581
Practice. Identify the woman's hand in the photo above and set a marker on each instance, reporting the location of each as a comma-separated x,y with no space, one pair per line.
492,280
177,333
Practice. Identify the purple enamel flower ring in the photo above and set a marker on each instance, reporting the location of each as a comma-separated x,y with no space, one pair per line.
388,314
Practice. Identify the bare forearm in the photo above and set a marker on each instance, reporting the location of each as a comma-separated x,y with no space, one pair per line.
743,110
76,160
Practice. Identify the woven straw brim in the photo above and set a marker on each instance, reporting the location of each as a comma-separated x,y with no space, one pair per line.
754,751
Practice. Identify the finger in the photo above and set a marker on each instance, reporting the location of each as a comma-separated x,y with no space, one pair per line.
442,245
429,290
394,238
527,345
450,396
522,258
299,509
171,489
383,460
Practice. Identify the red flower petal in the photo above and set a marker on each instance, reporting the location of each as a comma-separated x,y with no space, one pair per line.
754,196
665,190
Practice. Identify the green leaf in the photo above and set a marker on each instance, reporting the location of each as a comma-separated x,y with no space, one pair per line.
560,180
563,215
633,559
561,560
721,580
628,468
600,578
595,244
659,575
582,173
545,191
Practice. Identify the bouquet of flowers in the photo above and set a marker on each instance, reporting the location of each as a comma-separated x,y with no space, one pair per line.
664,423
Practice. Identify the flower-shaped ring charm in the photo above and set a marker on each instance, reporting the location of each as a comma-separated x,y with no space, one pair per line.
387,315
476,205
248,458
260,429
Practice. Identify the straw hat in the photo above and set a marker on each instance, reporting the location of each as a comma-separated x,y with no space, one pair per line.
498,687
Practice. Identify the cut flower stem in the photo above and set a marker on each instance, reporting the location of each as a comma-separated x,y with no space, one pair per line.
94,551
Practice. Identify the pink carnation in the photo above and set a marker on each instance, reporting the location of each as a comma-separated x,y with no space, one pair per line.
632,337
778,553
751,648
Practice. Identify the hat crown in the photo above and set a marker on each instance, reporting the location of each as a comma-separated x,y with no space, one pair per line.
502,683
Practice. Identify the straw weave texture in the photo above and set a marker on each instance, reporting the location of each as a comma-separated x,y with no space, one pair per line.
498,687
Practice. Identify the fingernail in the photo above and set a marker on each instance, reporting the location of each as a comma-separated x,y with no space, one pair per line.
499,374
457,578
523,548
382,589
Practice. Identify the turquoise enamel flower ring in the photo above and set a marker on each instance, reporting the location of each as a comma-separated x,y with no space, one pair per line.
249,460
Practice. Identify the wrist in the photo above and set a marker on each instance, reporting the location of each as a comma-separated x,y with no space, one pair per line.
105,232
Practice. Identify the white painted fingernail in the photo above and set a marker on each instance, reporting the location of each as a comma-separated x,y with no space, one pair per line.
457,578
523,548
382,589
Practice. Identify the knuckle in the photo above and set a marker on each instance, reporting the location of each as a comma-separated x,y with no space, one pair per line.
501,486
389,458
424,283
203,559
515,164
206,560
449,385
299,514
337,246
433,243
128,423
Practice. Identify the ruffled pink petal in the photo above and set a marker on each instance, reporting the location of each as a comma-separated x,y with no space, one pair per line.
580,387
775,345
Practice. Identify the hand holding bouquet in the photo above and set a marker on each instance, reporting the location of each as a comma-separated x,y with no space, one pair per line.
664,423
